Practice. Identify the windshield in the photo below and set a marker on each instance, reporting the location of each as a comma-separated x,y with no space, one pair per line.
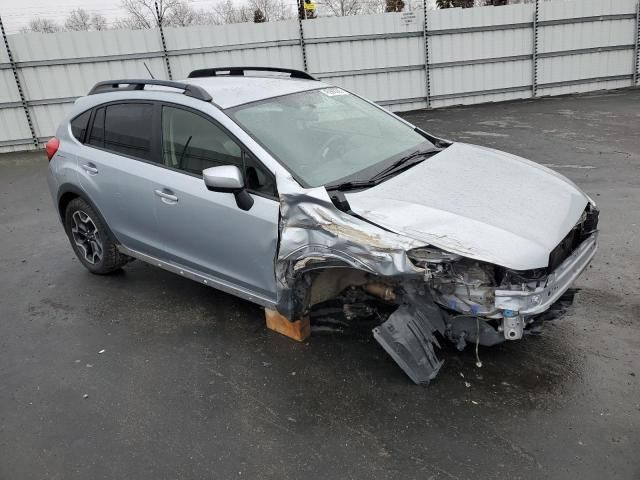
327,135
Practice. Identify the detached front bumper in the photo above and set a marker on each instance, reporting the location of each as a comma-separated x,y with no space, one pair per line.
533,302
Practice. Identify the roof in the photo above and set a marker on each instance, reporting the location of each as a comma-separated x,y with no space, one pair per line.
231,91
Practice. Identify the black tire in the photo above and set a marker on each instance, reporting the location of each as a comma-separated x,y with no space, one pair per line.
94,247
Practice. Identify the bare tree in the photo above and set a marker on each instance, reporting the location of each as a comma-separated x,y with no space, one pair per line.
142,13
342,8
125,23
98,22
227,12
206,17
80,20
272,10
374,6
41,25
181,15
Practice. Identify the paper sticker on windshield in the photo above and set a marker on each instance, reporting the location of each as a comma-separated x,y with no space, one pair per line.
333,91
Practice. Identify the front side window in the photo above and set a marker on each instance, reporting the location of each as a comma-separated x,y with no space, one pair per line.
326,135
192,143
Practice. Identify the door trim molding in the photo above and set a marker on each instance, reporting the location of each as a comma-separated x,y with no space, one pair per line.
203,278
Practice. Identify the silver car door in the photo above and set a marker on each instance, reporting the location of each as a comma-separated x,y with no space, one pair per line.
205,230
117,174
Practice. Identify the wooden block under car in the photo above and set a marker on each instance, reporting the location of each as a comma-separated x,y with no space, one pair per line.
298,330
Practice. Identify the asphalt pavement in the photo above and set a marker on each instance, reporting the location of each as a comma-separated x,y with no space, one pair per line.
143,374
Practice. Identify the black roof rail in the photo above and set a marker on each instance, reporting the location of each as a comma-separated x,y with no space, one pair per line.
194,91
212,72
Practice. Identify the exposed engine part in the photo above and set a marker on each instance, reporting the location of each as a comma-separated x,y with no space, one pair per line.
385,292
513,327
465,286
427,256
329,283
463,329
350,310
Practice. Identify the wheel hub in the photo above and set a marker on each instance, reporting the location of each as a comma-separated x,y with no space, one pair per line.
86,237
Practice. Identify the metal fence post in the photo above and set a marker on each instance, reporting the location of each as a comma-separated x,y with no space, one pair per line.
16,77
534,58
164,43
425,32
636,52
303,46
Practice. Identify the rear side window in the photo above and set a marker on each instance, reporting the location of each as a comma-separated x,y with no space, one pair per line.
127,129
124,128
79,125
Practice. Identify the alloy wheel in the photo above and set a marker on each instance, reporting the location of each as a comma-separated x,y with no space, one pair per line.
87,237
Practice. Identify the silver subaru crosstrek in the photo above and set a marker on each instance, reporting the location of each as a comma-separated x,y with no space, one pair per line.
314,202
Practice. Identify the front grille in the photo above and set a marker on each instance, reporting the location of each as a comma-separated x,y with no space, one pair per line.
578,234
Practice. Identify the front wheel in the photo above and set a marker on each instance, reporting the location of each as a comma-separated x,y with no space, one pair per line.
90,239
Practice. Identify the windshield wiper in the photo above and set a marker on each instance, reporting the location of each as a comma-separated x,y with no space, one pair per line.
403,163
398,165
354,185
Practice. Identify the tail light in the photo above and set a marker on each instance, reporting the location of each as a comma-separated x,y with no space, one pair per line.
52,147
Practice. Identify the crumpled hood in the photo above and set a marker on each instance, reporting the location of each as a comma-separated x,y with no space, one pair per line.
480,203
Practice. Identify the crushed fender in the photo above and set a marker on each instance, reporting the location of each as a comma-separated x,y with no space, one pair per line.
330,257
314,235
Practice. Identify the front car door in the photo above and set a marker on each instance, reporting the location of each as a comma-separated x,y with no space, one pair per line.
204,230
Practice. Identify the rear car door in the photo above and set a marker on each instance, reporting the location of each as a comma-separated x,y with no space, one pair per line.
207,231
116,171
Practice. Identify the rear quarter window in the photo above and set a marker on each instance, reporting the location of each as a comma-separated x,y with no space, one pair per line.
96,137
79,126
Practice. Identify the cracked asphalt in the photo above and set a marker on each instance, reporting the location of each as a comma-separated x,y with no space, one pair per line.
191,385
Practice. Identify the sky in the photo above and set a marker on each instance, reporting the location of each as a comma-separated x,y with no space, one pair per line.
17,13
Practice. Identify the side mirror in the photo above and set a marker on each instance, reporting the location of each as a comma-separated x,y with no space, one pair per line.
228,179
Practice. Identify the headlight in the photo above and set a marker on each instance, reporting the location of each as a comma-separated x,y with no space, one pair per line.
424,256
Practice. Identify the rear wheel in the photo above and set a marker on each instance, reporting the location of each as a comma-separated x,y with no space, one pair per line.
90,239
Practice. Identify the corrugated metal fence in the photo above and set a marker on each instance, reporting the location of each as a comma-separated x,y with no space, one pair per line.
472,55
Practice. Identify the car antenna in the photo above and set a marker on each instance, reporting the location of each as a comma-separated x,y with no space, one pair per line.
147,67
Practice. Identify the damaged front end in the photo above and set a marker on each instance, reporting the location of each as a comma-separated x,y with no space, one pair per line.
327,252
